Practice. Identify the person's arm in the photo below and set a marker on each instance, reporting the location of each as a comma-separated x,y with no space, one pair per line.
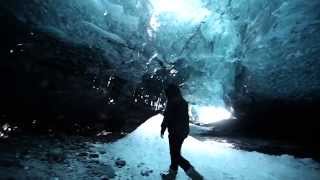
164,123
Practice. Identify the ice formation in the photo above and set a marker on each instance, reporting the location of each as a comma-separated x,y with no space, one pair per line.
270,47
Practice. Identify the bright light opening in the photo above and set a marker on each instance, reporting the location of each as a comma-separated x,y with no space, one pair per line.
211,114
184,10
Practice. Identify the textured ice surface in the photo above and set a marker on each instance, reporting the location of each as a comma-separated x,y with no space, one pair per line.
277,42
143,149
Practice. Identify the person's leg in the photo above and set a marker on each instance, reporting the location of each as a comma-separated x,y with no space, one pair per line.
184,164
172,172
174,153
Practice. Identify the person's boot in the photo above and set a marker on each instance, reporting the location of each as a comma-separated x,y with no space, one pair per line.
193,174
169,175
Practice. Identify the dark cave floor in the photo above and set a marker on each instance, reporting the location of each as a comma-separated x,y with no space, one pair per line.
53,158
59,157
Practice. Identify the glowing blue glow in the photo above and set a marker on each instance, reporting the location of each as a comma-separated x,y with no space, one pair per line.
212,114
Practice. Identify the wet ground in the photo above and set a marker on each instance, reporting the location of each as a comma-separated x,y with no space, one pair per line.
274,147
57,157
53,157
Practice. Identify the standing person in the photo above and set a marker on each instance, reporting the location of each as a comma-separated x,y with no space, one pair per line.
176,120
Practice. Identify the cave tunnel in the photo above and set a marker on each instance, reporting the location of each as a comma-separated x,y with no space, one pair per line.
88,75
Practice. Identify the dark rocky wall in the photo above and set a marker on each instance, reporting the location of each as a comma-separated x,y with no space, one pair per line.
51,83
259,115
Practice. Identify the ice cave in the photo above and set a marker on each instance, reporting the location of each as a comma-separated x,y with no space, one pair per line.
84,88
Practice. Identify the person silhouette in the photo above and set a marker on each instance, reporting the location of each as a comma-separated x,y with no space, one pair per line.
176,120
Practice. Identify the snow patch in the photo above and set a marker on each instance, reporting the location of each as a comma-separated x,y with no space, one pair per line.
144,149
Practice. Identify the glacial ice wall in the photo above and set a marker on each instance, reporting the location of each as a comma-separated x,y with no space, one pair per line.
212,47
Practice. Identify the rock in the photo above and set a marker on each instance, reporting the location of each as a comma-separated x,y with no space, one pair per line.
94,162
120,163
140,165
104,178
146,172
83,154
101,170
93,155
56,155
102,152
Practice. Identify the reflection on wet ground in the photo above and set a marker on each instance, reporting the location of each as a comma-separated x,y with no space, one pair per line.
275,147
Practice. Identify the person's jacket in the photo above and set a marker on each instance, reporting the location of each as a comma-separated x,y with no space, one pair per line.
176,119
